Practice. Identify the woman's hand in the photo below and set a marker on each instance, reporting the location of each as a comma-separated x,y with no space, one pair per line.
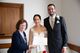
32,46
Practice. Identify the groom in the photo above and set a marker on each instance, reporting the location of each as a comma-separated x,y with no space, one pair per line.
56,28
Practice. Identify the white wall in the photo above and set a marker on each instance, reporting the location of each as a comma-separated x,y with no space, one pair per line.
71,12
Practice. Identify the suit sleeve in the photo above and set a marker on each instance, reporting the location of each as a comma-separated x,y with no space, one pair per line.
64,32
18,44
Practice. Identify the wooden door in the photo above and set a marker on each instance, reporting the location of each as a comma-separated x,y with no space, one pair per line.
9,15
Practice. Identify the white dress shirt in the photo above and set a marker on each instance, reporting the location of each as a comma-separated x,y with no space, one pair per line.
52,20
22,34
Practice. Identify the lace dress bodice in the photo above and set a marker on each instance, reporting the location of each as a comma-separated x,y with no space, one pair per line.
39,40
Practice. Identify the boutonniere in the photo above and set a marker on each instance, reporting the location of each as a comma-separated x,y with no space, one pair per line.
58,21
58,18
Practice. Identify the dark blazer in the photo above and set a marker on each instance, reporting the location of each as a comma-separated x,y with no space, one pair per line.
57,37
18,44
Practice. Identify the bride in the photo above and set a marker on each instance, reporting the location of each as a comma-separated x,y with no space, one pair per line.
37,36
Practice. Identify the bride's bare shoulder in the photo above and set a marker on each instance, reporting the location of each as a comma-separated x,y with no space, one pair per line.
43,27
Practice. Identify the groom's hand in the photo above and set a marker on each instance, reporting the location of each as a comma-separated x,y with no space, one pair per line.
64,49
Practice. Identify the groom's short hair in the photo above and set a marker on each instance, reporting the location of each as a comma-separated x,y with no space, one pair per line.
51,5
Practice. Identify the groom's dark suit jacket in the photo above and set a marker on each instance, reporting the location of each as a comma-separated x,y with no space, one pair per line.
57,37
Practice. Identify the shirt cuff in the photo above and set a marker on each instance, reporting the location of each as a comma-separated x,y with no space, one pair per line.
64,47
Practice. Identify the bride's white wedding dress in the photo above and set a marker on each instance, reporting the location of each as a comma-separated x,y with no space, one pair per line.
39,40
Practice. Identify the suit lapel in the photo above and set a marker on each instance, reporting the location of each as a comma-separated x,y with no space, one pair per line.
54,23
25,36
21,37
49,23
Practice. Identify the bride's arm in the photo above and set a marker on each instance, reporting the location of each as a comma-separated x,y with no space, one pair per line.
30,37
45,32
30,40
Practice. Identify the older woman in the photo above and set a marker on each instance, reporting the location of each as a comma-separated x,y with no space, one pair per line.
19,41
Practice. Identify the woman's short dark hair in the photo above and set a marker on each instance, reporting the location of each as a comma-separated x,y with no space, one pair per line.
20,22
36,15
51,5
